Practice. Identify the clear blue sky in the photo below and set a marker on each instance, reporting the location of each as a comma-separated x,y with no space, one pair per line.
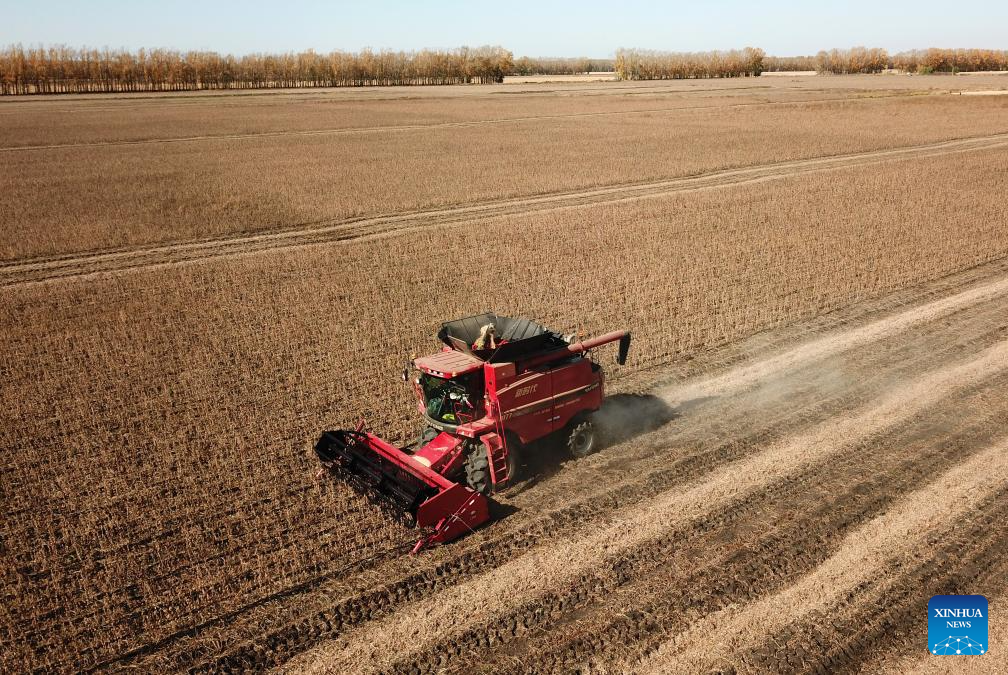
584,28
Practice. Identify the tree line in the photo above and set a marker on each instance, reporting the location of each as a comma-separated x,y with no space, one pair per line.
950,60
52,70
934,60
853,60
60,69
640,64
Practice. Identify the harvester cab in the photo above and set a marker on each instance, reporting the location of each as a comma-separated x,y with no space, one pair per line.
479,407
451,401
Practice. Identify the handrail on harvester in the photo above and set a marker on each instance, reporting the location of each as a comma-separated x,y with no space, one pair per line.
498,418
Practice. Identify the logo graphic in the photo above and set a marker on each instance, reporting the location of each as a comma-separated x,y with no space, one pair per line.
957,625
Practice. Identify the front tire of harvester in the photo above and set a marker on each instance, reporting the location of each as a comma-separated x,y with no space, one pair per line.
477,470
582,440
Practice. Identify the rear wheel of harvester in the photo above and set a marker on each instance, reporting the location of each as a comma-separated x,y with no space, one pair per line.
582,440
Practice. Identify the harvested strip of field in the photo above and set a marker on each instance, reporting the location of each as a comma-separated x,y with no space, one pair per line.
995,661
375,647
887,614
102,198
739,379
872,550
756,548
702,436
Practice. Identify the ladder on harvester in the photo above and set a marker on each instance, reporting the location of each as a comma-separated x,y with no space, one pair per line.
497,442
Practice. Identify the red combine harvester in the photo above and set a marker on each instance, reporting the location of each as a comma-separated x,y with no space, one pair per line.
497,384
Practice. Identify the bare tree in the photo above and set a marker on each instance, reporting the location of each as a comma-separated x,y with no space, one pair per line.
637,64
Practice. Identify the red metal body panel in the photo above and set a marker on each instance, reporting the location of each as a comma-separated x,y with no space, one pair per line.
577,388
448,364
536,396
443,454
451,513
526,404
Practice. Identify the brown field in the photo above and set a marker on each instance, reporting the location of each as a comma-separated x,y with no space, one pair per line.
194,286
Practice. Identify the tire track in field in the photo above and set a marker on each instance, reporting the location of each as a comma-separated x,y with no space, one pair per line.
743,552
417,628
393,128
748,375
887,615
995,661
22,272
547,518
872,549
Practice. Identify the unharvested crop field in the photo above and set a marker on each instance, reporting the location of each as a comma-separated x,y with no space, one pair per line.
193,286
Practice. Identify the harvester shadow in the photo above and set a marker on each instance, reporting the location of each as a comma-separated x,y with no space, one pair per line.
622,418
500,510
